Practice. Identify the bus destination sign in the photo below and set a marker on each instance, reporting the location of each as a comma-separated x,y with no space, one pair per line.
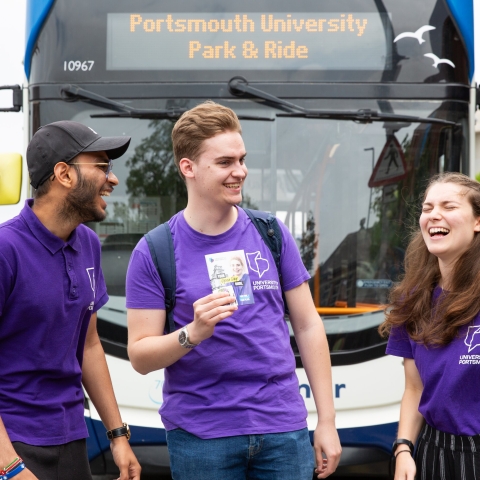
248,41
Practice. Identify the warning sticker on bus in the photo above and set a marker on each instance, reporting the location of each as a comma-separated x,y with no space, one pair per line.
390,166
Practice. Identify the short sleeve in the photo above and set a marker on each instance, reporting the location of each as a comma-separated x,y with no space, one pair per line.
293,271
144,288
399,343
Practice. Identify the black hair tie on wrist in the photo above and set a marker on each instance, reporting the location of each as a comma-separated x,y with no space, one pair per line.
401,451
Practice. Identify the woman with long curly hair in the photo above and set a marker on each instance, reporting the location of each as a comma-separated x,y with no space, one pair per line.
433,321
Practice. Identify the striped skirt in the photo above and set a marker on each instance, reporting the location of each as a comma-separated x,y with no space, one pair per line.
443,456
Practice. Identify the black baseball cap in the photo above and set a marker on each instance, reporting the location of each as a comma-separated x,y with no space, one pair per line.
62,142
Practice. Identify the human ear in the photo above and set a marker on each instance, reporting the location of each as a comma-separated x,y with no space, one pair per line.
62,173
476,228
186,167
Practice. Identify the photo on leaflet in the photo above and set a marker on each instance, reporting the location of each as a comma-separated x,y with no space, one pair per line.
228,272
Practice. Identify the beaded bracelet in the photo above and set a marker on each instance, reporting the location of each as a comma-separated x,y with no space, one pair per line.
12,473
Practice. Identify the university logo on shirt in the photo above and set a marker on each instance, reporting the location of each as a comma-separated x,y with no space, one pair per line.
472,341
91,277
257,263
260,265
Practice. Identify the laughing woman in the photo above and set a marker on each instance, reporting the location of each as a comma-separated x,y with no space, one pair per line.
434,323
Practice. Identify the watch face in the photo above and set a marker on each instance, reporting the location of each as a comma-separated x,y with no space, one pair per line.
182,337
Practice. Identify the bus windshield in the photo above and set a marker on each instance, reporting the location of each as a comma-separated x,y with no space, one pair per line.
347,190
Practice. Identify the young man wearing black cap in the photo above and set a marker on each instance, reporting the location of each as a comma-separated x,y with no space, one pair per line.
51,286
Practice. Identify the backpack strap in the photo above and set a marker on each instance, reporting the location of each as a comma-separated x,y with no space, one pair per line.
268,228
160,243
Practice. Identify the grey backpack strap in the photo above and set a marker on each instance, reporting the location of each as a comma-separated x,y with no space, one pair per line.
160,243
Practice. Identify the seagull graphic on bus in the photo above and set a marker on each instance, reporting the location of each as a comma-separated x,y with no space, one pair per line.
418,34
437,60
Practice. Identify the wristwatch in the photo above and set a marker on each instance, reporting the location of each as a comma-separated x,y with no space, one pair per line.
183,339
123,431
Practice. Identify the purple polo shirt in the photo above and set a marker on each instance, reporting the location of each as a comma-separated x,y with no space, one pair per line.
48,291
451,390
241,380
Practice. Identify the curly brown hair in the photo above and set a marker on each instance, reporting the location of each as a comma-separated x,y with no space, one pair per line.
411,299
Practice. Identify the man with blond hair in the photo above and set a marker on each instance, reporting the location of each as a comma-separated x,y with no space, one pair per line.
232,407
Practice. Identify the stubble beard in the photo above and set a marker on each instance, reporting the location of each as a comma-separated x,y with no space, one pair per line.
80,205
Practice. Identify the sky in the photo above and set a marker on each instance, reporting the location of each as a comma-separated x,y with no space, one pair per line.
12,48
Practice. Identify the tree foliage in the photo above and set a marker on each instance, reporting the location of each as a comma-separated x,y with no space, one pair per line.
152,168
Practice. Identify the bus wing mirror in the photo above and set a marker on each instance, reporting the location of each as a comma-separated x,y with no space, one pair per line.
10,178
17,100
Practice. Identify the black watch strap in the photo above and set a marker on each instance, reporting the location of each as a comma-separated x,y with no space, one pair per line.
123,431
402,441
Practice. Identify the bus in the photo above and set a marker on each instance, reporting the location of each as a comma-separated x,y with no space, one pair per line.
347,108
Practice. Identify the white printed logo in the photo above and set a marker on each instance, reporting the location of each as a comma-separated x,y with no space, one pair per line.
257,263
472,339
91,276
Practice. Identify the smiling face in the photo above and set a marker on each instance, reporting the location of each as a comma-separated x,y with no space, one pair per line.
447,221
236,266
85,200
218,174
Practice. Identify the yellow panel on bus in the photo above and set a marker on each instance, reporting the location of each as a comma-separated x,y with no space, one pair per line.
10,178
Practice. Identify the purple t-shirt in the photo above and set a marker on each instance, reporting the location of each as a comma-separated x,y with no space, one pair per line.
451,391
241,380
48,291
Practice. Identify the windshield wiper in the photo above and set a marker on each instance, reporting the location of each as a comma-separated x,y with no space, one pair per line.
239,87
120,110
366,116
73,93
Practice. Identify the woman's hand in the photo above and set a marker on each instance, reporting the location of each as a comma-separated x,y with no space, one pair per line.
405,468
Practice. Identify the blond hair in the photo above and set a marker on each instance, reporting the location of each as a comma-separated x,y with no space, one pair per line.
199,124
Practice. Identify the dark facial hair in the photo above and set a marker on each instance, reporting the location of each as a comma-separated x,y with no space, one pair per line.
81,202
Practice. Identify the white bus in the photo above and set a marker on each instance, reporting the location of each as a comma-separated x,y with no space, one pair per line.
347,109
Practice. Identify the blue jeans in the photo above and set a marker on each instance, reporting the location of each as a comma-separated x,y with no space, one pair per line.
273,456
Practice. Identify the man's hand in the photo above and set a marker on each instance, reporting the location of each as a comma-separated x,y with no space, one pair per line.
125,459
327,449
208,311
